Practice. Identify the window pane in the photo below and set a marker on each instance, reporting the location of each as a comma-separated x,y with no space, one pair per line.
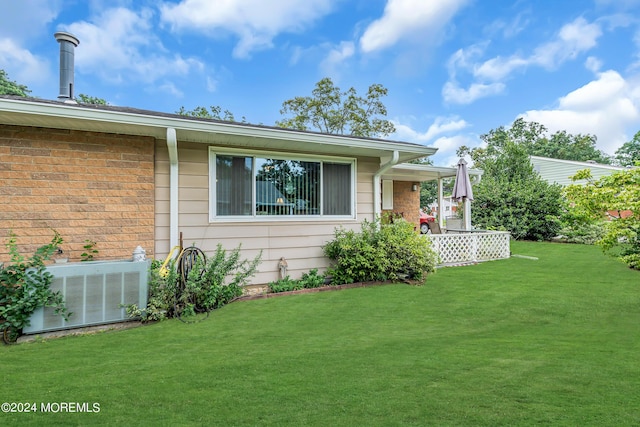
233,185
287,187
336,188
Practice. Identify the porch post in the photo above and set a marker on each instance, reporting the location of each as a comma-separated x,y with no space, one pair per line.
440,202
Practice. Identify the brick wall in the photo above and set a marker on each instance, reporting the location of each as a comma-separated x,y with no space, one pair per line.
406,202
84,185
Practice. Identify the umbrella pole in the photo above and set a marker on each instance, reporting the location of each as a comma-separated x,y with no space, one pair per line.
467,214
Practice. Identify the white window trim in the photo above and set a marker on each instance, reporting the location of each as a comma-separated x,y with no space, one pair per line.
213,151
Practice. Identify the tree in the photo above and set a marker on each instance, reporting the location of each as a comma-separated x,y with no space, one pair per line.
511,195
629,153
329,110
214,112
533,138
91,100
9,87
428,193
618,193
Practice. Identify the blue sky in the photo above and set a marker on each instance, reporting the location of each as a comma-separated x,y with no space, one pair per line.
455,69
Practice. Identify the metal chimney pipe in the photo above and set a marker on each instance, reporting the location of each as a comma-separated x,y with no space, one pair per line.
68,43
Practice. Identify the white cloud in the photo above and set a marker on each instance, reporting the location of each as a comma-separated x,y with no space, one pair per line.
607,107
593,64
22,22
255,22
445,125
440,125
465,59
574,38
336,57
171,90
498,68
407,19
454,94
439,135
120,45
21,65
447,147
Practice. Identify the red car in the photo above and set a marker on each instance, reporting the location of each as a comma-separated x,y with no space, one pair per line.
424,219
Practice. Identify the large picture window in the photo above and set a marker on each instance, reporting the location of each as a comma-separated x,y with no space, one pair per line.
274,186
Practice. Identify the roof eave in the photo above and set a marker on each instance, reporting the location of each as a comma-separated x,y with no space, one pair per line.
59,115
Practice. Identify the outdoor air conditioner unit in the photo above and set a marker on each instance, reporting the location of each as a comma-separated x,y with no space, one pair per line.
95,292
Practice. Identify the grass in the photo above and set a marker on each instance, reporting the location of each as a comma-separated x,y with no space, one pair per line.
553,341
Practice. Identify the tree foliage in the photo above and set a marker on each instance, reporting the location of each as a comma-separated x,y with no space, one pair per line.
213,112
534,139
619,194
428,193
330,110
10,87
511,195
25,285
629,153
91,100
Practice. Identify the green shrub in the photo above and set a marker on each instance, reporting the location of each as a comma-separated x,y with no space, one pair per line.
209,285
358,257
584,233
389,251
409,254
285,285
25,285
312,279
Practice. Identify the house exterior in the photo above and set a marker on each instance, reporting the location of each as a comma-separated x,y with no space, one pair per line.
123,177
557,171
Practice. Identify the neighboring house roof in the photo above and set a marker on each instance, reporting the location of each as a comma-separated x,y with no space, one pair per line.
111,119
559,171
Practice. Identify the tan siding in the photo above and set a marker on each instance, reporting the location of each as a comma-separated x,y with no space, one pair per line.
162,199
300,242
364,183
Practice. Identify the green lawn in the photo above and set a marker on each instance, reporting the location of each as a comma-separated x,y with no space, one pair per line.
553,341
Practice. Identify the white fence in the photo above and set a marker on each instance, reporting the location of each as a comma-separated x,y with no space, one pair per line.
94,292
471,247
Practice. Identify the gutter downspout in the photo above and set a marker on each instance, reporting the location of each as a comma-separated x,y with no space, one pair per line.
377,206
172,145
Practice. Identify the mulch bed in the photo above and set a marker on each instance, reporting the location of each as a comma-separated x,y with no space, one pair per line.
321,289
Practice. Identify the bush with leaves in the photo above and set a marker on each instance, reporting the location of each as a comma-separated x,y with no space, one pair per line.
619,193
209,285
576,230
285,284
312,279
25,285
379,251
308,280
162,294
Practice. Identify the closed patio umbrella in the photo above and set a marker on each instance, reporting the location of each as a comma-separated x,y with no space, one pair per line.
462,191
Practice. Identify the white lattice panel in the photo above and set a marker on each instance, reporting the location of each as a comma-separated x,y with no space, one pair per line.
471,247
